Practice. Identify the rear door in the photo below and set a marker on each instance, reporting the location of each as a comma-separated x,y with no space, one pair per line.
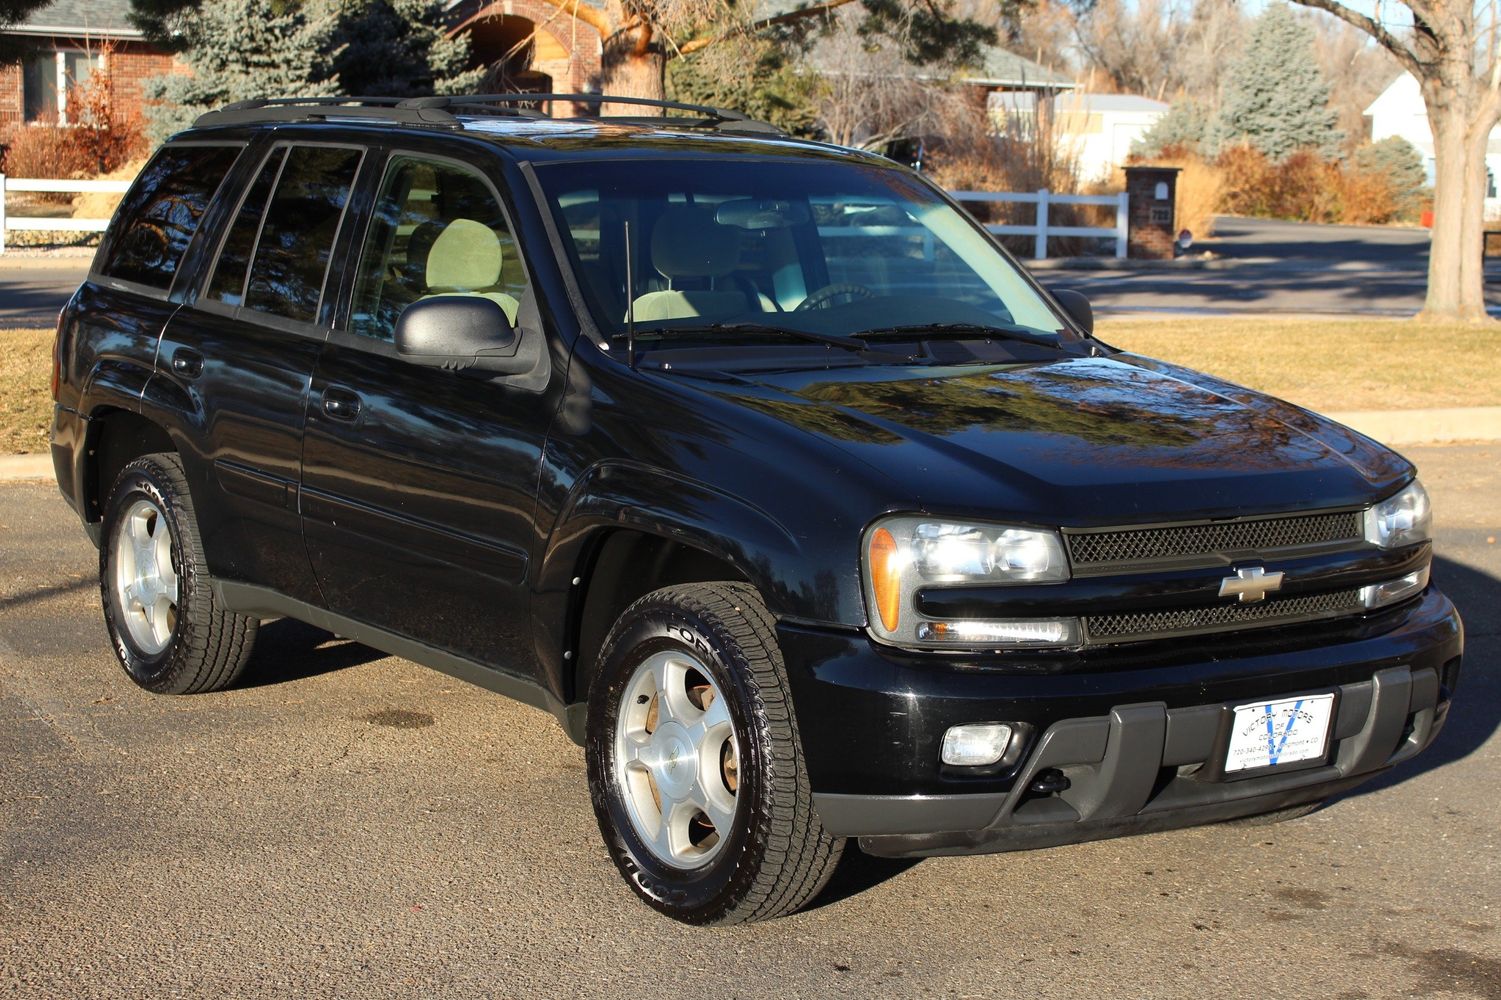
418,484
241,355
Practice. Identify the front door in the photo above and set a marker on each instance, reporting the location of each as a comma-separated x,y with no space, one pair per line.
418,484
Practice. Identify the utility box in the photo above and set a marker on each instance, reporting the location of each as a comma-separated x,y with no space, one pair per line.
1151,194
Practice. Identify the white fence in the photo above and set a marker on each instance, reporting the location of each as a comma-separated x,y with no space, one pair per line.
10,222
1041,229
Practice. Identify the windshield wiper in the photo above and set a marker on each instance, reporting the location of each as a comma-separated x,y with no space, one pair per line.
967,330
831,339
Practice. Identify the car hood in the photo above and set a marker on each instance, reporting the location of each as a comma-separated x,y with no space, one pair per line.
1081,441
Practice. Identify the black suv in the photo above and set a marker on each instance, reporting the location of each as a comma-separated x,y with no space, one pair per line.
753,460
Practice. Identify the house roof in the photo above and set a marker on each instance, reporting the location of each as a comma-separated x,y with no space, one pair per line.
75,18
1002,68
1077,103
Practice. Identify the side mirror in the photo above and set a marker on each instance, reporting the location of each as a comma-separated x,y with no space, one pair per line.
1076,304
460,333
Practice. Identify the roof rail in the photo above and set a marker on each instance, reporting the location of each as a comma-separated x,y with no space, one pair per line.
719,117
439,111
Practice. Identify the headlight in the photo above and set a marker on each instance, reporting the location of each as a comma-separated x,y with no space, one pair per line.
1404,518
906,553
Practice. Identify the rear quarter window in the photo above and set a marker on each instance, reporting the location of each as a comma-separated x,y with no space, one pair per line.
161,213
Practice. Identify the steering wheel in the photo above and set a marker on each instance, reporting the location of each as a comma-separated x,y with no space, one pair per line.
834,295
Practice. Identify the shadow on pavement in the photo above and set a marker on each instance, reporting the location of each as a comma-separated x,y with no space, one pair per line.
290,650
1476,712
857,872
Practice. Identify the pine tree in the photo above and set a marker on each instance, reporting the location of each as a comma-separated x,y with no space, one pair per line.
238,50
397,48
1275,96
1182,127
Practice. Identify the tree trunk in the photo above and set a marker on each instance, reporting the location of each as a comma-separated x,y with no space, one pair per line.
1456,279
633,64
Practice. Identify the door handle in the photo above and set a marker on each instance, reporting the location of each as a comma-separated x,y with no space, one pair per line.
341,404
187,362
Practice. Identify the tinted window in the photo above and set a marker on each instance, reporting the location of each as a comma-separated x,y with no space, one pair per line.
228,284
297,237
437,230
820,247
161,213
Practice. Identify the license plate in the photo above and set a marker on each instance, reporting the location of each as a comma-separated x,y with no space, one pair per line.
1270,733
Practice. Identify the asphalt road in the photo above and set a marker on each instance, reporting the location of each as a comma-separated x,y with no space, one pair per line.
345,824
32,295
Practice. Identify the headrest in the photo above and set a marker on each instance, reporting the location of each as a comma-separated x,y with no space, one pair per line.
688,243
465,256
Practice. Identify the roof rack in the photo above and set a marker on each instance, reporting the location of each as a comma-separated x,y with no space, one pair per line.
440,111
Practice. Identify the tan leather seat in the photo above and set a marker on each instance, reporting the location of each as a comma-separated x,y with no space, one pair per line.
688,245
466,259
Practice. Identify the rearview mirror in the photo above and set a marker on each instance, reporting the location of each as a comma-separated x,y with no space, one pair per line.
459,333
762,213
1076,304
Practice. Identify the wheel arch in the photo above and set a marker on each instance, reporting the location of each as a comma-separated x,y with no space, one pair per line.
116,437
628,530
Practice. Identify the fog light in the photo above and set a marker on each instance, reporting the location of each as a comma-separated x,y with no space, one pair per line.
976,745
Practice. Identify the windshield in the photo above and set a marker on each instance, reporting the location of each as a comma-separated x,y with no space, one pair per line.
724,250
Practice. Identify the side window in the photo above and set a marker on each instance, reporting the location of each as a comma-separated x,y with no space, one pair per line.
160,215
228,283
297,234
437,230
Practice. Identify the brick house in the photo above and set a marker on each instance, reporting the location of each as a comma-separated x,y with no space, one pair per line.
529,45
68,41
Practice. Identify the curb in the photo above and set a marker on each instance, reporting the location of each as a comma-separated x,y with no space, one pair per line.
1442,426
17,259
15,468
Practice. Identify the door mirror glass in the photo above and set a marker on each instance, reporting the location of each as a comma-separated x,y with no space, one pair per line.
459,333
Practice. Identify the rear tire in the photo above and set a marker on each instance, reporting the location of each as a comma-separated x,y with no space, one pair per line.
167,631
666,760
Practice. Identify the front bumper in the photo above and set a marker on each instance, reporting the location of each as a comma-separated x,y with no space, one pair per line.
1140,736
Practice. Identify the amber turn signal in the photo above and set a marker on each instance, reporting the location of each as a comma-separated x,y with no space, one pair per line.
886,578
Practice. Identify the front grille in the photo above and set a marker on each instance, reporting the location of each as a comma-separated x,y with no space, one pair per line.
1212,542
1220,618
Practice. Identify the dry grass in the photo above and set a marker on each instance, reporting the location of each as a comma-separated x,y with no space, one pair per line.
1347,364
25,391
1330,364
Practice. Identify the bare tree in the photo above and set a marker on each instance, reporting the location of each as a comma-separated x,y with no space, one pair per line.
639,36
871,94
1357,70
1452,50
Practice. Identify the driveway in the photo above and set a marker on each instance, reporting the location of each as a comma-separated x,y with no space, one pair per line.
349,824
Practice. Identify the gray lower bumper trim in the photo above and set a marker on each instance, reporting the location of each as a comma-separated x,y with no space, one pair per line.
1151,766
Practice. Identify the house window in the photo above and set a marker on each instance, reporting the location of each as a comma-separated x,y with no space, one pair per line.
49,75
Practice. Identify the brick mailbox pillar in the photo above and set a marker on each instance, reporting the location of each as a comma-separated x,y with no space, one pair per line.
1151,194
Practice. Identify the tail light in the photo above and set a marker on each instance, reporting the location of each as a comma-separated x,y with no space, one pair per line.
57,357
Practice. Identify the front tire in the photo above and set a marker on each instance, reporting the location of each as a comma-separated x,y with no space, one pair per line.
695,766
159,606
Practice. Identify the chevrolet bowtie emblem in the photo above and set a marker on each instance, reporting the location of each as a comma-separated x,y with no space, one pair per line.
1250,585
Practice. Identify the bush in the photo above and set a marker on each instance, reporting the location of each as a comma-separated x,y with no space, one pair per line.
43,151
102,137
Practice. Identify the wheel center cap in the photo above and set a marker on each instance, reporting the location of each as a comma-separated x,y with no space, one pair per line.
677,764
